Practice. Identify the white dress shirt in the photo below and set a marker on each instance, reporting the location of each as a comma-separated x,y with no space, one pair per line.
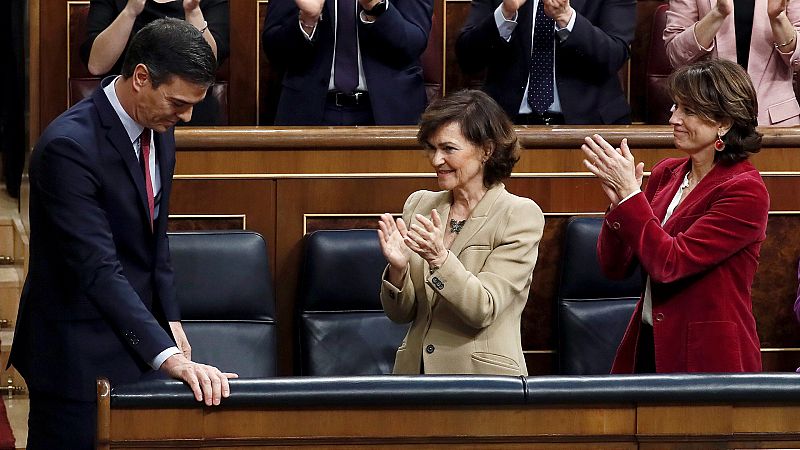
506,28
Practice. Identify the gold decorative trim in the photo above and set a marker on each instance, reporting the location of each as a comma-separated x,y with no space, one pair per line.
211,216
343,215
70,4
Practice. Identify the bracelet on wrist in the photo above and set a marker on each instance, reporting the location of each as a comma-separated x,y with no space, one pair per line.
204,28
780,46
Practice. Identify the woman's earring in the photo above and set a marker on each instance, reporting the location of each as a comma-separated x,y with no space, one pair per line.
719,144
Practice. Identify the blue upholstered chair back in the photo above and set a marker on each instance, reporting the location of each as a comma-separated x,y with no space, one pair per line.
342,329
224,290
593,311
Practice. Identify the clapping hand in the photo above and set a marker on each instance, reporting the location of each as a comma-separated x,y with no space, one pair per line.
426,239
725,7
558,10
190,5
310,9
510,7
616,168
775,8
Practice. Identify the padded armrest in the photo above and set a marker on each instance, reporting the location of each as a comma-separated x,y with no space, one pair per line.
673,388
429,390
453,390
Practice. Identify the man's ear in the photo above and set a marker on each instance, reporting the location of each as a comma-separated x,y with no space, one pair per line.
141,77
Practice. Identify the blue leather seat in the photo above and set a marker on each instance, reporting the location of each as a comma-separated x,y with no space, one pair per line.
342,329
593,311
224,290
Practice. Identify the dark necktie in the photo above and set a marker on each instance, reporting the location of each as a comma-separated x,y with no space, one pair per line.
540,87
345,70
144,147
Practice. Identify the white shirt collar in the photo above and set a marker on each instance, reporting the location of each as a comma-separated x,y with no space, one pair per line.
132,127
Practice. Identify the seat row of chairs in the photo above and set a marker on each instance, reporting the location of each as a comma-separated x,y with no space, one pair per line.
226,297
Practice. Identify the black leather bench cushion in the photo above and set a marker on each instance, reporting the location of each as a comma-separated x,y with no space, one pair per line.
243,347
672,388
453,390
349,343
593,311
424,390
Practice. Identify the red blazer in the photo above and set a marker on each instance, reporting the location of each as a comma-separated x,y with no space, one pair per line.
701,266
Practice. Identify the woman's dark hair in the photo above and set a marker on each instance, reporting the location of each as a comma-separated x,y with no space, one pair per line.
720,90
171,47
482,122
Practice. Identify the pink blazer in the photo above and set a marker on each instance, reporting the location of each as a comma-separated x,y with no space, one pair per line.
770,70
701,265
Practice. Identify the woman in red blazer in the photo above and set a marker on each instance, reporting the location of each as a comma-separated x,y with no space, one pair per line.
696,230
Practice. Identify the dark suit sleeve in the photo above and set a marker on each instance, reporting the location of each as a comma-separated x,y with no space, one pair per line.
216,14
282,39
603,43
400,33
101,14
165,280
69,183
479,42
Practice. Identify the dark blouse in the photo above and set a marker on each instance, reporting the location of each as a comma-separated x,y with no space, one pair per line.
743,24
215,12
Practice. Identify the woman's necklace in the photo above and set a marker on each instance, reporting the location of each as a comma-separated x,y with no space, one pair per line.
457,225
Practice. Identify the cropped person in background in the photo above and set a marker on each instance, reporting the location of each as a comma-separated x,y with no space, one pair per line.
551,61
99,297
760,35
361,67
696,230
461,260
111,25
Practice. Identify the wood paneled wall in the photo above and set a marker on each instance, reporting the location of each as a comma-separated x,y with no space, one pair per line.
286,181
253,84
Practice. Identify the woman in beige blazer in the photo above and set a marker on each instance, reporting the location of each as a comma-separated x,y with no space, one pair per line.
460,271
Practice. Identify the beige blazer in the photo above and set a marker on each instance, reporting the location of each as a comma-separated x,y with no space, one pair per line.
770,70
465,316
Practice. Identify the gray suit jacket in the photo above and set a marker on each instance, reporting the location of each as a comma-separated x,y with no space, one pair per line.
466,315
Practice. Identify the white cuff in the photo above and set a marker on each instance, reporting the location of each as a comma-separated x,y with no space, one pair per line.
629,196
161,357
303,30
504,26
571,23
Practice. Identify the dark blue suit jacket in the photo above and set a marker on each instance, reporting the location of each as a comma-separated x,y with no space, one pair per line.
586,63
390,54
99,290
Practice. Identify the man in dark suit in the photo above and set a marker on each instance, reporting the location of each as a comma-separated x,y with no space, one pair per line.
375,77
99,298
551,61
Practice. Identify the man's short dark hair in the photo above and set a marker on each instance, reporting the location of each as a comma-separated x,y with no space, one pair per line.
171,47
